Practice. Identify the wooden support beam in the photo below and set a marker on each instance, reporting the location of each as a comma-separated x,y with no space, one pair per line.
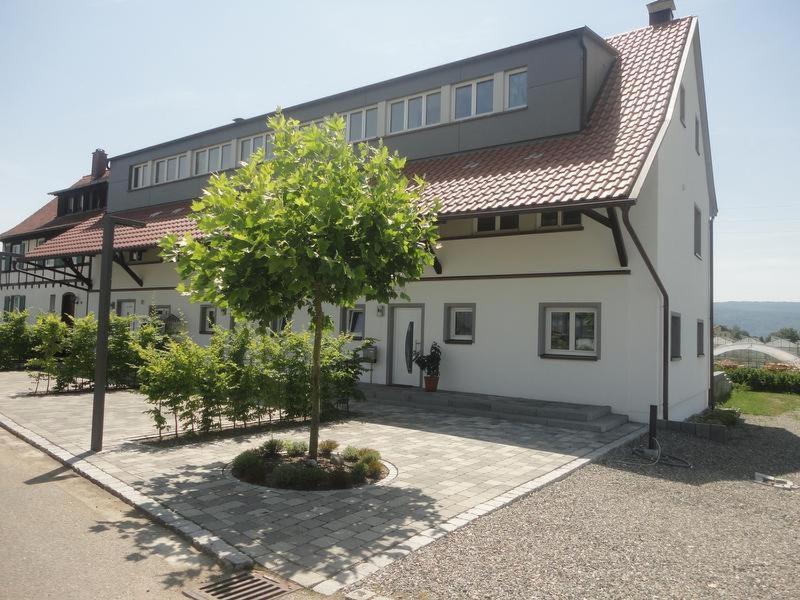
78,273
593,214
121,262
619,241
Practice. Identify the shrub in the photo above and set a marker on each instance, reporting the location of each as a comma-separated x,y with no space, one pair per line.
248,466
295,449
326,447
350,454
77,366
359,473
16,340
50,334
340,479
272,447
374,467
366,455
764,380
298,477
718,416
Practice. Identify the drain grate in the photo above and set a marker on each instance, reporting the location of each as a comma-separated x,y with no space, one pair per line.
245,586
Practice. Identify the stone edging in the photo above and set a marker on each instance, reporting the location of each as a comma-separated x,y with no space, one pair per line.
200,538
422,539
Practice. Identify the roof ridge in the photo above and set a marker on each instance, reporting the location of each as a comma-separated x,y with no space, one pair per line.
660,25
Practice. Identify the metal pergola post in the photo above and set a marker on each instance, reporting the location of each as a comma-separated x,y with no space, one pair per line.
103,318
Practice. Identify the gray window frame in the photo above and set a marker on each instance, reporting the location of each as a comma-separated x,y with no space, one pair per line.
446,333
675,341
544,306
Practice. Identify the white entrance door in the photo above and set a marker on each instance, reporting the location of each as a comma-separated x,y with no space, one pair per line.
126,308
407,339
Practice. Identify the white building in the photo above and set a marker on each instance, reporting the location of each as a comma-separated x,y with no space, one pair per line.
577,207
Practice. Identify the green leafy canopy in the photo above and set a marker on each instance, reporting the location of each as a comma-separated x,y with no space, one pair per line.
321,221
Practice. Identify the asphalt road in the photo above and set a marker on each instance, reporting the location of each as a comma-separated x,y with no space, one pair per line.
63,537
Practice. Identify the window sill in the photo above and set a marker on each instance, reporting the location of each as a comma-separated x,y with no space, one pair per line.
570,357
674,358
459,341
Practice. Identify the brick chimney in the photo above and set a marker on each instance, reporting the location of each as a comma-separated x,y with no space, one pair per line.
661,11
99,163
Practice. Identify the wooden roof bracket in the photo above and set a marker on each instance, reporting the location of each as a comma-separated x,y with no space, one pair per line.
125,267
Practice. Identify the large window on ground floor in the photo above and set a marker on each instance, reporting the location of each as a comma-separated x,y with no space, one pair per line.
569,330
15,303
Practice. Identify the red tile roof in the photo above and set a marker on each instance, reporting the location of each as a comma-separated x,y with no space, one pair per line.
600,163
87,236
38,219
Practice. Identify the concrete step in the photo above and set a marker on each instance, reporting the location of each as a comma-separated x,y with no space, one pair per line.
584,417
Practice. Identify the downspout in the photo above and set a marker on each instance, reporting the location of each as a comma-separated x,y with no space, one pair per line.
711,399
665,319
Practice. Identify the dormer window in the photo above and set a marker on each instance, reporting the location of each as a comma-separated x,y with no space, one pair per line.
517,85
140,176
473,98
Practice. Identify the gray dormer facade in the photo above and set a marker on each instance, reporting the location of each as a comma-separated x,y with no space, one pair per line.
533,90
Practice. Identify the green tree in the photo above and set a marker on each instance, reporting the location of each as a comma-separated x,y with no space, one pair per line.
50,334
787,333
321,222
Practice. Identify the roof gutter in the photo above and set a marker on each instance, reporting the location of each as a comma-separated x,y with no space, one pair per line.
575,205
665,317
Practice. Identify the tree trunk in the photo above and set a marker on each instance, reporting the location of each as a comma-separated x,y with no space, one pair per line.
319,320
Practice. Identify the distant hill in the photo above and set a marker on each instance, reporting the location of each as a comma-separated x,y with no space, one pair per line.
758,318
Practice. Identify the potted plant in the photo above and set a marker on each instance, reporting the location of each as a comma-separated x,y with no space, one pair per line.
429,363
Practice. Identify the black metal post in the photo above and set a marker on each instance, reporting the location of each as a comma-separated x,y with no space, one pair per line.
651,444
103,318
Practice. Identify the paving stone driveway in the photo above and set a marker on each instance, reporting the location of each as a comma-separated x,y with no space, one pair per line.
449,470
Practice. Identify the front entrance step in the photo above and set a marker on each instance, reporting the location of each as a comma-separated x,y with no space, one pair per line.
585,417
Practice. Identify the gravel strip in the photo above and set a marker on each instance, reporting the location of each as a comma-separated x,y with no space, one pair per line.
613,530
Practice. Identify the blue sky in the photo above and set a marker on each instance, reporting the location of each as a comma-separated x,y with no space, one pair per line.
123,74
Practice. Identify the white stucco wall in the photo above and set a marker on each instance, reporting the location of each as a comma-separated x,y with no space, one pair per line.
682,185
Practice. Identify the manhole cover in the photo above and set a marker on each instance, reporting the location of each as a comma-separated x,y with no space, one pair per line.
245,586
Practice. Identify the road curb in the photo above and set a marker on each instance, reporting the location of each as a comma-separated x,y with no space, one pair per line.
200,538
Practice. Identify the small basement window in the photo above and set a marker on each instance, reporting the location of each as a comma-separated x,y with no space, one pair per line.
675,336
571,331
353,321
459,323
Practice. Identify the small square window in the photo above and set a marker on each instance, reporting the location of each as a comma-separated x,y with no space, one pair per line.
485,224
208,319
459,323
508,222
353,321
549,219
571,217
135,255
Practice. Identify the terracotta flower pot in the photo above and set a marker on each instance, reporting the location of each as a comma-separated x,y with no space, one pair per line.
431,383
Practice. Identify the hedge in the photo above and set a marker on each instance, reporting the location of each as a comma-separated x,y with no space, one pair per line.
765,380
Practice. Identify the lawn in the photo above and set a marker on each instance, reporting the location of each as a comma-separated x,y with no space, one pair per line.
763,403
